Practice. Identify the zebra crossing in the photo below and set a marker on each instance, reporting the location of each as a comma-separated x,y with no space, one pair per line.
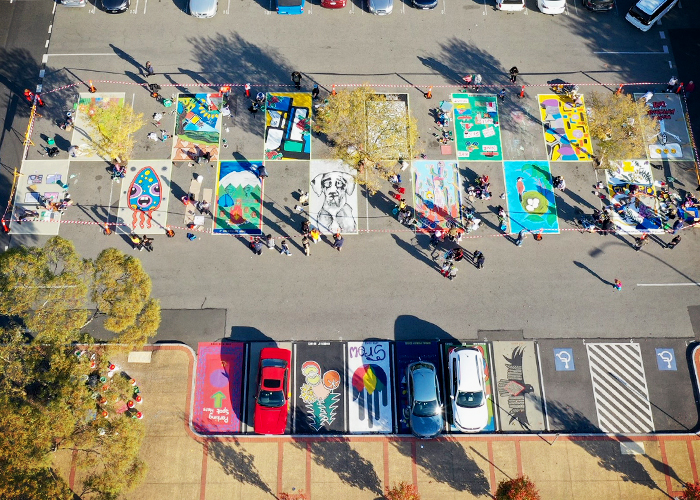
620,388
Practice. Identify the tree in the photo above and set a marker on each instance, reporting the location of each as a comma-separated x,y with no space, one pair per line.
115,124
620,127
367,133
47,290
52,399
691,492
520,488
402,491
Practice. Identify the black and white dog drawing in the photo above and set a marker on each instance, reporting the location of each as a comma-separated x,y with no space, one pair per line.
334,188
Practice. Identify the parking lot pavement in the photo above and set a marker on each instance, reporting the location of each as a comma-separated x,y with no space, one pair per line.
362,467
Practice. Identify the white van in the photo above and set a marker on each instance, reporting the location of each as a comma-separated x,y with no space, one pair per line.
510,5
551,6
646,12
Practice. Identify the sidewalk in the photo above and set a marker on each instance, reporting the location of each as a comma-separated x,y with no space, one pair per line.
184,466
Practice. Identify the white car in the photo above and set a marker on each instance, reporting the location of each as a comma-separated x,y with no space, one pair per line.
468,389
551,6
510,5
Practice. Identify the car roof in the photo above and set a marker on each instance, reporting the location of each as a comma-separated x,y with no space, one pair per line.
276,353
423,381
469,359
290,3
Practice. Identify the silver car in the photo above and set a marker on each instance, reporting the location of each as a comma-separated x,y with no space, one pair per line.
380,7
425,404
203,8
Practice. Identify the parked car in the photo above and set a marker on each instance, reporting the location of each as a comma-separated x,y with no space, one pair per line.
599,5
291,7
510,5
425,4
333,4
468,389
272,397
74,3
203,8
380,7
115,6
424,400
551,6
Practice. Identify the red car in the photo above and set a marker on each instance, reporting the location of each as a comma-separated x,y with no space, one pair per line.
333,4
272,399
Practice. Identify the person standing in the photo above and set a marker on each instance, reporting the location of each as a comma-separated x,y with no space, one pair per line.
315,235
617,286
671,84
502,95
675,241
148,243
467,81
689,88
677,226
149,69
296,78
284,248
479,259
307,245
513,72
338,241
136,242
521,237
270,242
477,82
257,246
314,92
641,241
262,172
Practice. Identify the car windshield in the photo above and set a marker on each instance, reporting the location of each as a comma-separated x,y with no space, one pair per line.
271,399
273,363
470,399
426,408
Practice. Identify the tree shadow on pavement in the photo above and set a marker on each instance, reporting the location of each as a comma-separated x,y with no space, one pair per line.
446,461
607,449
238,463
337,455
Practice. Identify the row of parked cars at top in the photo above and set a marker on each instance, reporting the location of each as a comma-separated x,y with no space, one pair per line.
643,14
466,387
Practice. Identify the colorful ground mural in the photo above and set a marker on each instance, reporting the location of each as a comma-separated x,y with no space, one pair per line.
531,202
672,142
565,128
319,388
631,190
143,200
332,197
217,390
288,126
486,353
369,373
437,192
82,131
477,130
197,126
238,207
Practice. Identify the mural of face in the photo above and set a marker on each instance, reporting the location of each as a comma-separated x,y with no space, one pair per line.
144,196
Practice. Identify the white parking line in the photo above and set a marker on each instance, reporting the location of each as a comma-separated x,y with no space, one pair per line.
640,53
692,283
85,54
444,6
145,4
135,10
228,8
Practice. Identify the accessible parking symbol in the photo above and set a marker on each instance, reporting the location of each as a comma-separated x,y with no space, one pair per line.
564,359
666,359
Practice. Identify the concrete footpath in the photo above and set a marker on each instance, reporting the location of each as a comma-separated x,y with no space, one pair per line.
182,465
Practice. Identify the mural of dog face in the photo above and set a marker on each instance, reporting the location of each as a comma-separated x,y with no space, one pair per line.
335,187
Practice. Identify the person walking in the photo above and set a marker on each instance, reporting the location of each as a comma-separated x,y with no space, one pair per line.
148,243
467,81
136,241
149,69
262,172
479,259
338,241
270,242
502,95
677,226
617,286
296,78
314,92
315,235
477,82
521,237
513,72
675,241
641,241
307,245
284,248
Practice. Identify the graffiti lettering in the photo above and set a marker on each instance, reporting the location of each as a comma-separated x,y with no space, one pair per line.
221,414
368,352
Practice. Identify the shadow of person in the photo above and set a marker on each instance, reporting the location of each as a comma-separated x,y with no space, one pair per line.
591,272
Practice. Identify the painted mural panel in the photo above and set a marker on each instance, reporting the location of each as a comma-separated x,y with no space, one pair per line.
319,392
332,197
369,387
238,198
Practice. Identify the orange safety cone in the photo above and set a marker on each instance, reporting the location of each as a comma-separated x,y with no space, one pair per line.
333,90
429,94
247,89
522,92
680,88
619,90
107,230
91,87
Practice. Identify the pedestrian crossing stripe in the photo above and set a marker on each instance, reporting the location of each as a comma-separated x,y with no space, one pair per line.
620,388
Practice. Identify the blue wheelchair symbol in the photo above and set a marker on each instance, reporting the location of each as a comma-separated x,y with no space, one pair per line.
564,359
666,359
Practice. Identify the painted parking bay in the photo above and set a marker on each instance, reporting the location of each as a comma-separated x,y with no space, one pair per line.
406,353
519,393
